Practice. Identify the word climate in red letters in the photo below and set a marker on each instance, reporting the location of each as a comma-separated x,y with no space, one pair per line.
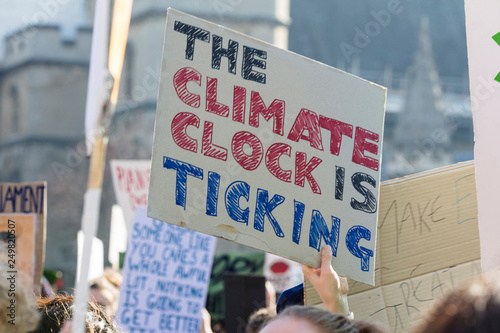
266,148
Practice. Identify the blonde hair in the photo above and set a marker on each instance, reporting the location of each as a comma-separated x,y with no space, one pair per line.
109,286
58,309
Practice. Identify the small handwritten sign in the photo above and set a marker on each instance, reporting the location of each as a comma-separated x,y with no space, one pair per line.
166,275
131,184
29,198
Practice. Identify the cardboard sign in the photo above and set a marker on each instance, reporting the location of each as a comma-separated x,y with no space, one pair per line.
266,148
17,245
483,47
428,243
27,198
131,184
166,275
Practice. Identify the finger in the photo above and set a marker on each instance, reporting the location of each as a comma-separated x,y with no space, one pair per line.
344,285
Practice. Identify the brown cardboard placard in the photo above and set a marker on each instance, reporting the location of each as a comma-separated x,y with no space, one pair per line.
27,198
403,302
428,242
428,221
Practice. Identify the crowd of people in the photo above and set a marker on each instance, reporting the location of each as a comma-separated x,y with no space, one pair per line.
473,307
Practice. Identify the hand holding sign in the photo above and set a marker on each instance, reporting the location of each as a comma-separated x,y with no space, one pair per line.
331,288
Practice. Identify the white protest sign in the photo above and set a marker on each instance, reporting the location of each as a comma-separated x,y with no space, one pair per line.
166,274
131,184
266,148
483,45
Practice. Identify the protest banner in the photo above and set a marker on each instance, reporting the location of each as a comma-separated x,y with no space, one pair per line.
428,243
235,263
17,246
266,148
483,48
166,274
131,185
29,198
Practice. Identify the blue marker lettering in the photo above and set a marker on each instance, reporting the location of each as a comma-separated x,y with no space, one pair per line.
212,193
298,214
319,230
183,169
234,192
354,235
265,207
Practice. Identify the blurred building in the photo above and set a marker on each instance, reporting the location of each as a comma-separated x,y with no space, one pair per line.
417,49
44,69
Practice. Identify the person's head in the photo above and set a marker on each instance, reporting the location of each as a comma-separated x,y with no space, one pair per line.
57,310
17,304
259,319
105,290
307,319
473,307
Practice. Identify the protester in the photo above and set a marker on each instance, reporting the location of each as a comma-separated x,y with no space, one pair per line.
259,319
17,310
308,319
472,307
57,311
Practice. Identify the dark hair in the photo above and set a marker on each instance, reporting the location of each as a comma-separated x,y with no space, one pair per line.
474,307
59,308
329,322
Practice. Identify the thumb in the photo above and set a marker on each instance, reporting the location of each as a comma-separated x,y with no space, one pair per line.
326,257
